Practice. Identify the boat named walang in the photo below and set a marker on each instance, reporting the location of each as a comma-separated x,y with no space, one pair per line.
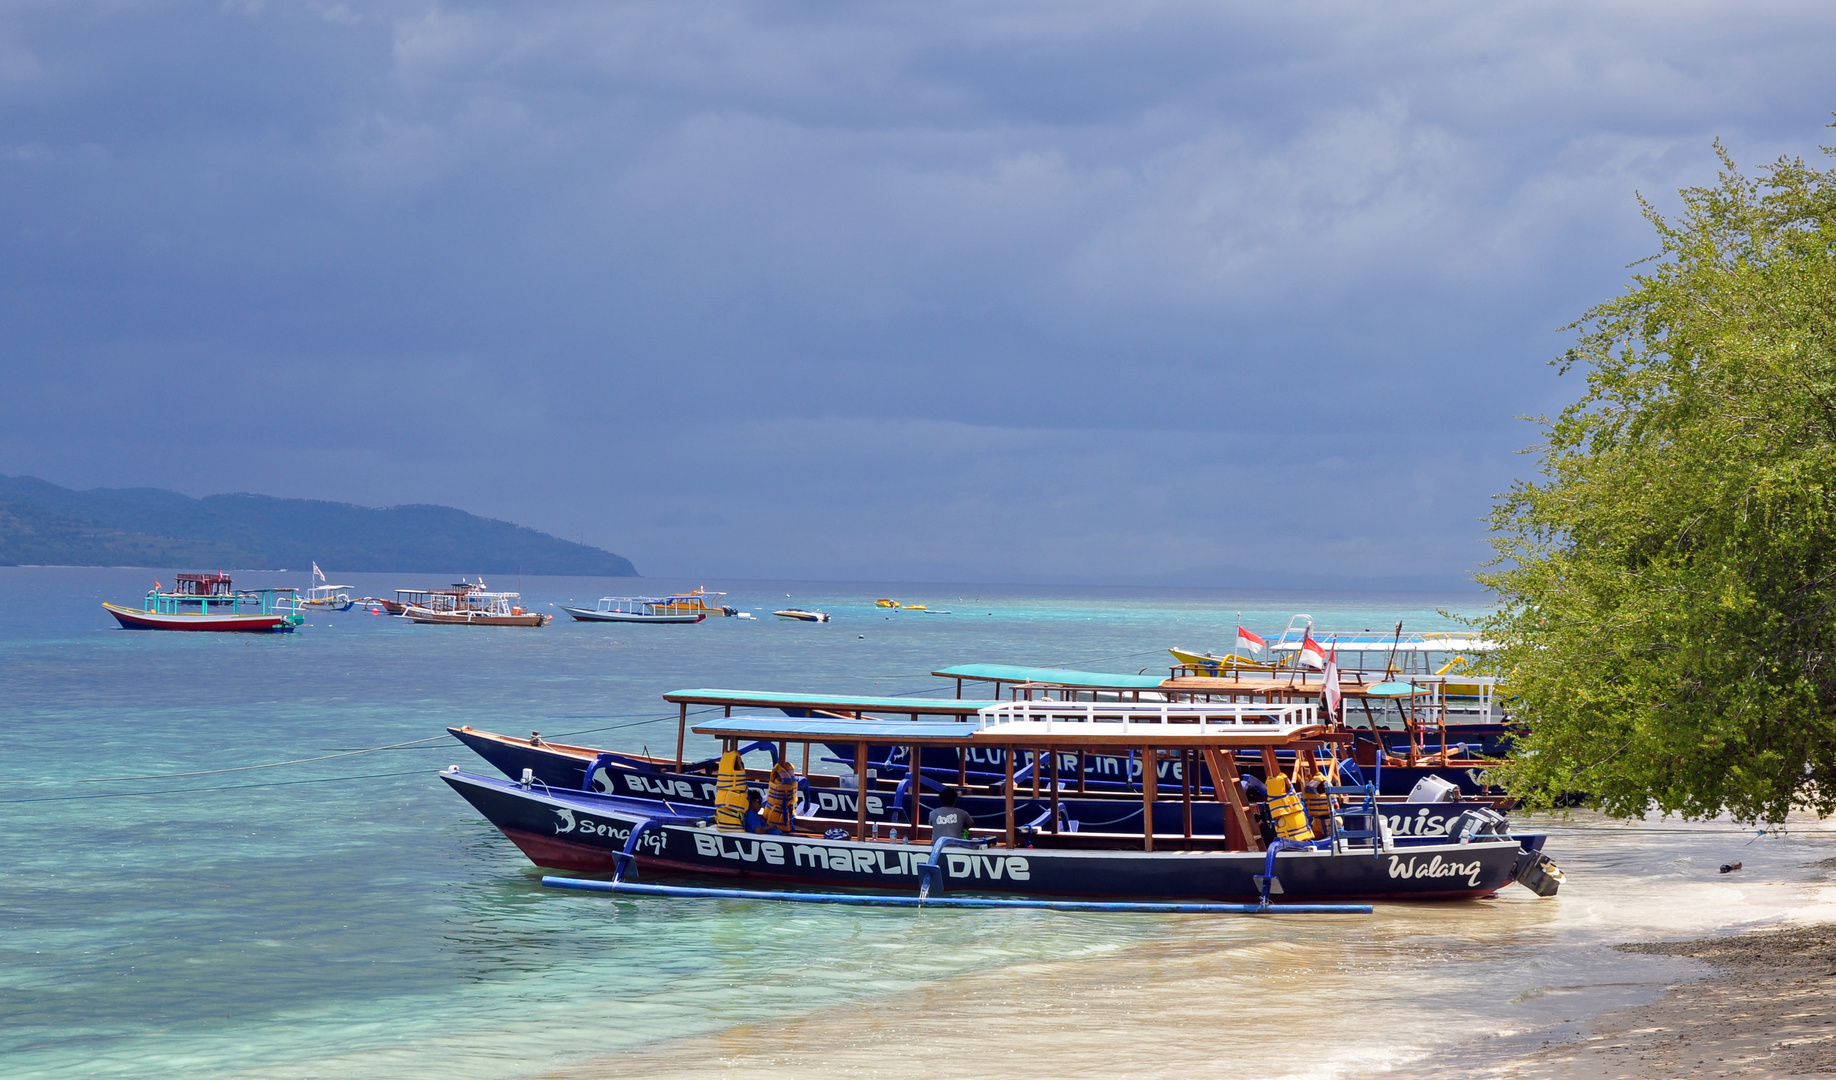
1330,843
211,602
477,608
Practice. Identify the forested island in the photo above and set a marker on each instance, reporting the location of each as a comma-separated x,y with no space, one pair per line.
42,524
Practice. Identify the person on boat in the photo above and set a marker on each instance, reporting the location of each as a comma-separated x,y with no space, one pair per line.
950,819
1256,796
754,821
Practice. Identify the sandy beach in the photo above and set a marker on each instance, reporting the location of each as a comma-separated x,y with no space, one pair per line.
1768,1010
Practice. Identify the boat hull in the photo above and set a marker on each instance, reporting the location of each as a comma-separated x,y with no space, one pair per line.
443,618
585,832
131,619
586,615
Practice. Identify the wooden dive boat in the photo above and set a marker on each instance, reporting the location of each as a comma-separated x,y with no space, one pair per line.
637,609
210,602
802,615
1321,854
892,801
1423,724
476,608
432,599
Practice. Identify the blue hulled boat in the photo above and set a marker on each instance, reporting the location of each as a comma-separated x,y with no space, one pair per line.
1331,845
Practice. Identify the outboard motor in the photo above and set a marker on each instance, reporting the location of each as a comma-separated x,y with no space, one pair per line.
1538,873
1478,821
1433,789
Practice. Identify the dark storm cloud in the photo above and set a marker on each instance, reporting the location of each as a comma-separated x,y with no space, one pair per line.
1076,290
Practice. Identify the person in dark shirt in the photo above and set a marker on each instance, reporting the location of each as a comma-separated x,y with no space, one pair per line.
949,819
754,822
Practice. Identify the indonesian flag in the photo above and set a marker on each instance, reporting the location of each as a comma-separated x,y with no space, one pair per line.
1311,655
318,573
1329,694
1249,641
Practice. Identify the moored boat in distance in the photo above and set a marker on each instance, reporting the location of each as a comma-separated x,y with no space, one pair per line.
476,609
327,598
636,609
802,615
696,601
434,599
1210,663
211,602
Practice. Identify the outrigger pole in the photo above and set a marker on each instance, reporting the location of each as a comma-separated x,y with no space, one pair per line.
854,900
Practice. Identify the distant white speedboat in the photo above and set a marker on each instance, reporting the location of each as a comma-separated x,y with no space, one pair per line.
802,615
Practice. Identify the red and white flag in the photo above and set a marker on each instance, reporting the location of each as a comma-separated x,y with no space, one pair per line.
1311,655
1249,641
318,573
1329,695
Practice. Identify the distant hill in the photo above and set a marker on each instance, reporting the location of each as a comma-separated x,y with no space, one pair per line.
42,524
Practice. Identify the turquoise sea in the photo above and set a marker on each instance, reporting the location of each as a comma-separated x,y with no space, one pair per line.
229,855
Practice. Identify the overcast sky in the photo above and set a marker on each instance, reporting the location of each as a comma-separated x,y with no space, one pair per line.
1097,291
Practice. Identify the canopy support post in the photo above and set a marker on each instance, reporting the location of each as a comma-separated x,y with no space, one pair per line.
917,778
860,791
1054,755
1007,791
681,733
1150,781
1186,785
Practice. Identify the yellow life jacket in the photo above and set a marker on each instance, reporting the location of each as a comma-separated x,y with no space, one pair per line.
781,797
1286,811
730,793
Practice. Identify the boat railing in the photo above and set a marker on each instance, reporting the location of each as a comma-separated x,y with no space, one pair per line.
1425,642
1157,718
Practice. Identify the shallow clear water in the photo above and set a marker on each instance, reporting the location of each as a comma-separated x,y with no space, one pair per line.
349,916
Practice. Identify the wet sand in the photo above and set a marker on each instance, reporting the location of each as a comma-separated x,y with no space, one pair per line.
1768,1010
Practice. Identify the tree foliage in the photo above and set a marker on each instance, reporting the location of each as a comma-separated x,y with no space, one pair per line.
1667,585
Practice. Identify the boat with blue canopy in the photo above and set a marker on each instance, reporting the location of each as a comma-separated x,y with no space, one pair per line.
1331,844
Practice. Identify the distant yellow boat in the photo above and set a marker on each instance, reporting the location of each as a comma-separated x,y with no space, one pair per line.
886,603
1213,664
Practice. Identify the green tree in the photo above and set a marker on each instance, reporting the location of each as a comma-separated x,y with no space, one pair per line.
1667,585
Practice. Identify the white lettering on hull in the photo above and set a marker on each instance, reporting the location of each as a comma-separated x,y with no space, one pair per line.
619,835
1422,823
1412,868
962,864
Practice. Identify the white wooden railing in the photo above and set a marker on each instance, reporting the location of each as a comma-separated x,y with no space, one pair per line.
1150,718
